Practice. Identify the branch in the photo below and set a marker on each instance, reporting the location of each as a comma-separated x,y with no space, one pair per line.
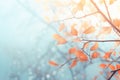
101,40
112,25
109,15
78,17
107,10
86,15
65,63
104,70
112,62
114,71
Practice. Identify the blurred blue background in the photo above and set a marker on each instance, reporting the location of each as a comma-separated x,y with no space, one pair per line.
26,46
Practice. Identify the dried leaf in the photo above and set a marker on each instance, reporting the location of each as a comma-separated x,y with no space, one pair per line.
78,53
103,65
81,4
72,50
74,32
112,67
56,36
107,54
118,67
111,1
73,64
105,31
81,56
95,55
94,47
89,30
85,45
116,22
59,38
61,27
53,63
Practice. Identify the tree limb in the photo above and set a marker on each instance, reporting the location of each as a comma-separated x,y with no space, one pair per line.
113,73
112,25
101,40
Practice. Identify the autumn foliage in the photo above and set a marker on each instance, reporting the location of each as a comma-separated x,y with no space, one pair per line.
94,25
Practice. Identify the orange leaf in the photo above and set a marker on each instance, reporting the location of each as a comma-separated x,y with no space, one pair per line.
89,30
62,26
118,72
111,1
73,64
53,63
85,45
73,30
78,53
107,30
104,31
85,24
117,44
118,67
107,55
59,38
95,55
72,50
103,65
81,4
56,36
81,55
112,67
94,47
116,22
68,34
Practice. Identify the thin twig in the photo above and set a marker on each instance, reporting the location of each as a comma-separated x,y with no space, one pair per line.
107,10
101,40
65,63
86,15
109,65
77,17
109,15
112,25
